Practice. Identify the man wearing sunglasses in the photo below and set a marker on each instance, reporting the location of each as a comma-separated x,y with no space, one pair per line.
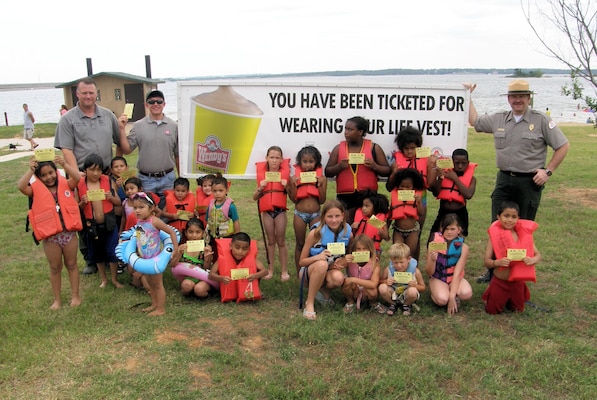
156,136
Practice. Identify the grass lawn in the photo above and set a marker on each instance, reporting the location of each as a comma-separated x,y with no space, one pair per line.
107,348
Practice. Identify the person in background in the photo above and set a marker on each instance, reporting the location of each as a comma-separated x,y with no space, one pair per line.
63,110
521,137
84,130
28,127
156,136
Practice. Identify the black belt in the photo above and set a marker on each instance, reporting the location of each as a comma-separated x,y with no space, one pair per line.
157,174
525,174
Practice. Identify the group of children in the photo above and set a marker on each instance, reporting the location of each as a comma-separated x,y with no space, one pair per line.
331,251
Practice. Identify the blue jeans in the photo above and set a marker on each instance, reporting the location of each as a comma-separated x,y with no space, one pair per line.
158,185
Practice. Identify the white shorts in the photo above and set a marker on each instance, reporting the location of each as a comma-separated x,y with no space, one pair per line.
28,134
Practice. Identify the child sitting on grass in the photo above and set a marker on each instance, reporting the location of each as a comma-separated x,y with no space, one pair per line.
400,293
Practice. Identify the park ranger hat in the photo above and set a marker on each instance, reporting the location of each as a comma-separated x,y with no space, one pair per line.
519,86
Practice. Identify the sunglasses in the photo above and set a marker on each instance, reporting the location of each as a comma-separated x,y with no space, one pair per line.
152,102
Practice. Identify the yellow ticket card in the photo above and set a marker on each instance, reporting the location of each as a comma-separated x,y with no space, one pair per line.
337,248
403,277
96,195
194,246
406,195
376,222
128,110
273,176
423,152
444,163
437,246
45,155
516,254
183,215
239,273
356,158
309,177
361,256
129,173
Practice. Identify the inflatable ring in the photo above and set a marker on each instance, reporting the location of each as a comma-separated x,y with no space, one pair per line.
126,251
183,270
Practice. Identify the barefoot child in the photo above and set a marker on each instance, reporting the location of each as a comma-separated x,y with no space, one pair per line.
189,285
363,277
55,219
271,199
445,267
507,288
307,194
400,295
147,232
100,221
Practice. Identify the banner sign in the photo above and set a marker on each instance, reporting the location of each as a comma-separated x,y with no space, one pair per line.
227,126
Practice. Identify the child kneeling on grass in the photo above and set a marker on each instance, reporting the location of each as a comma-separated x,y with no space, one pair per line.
237,268
400,290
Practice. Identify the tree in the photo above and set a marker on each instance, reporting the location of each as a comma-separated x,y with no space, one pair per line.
576,20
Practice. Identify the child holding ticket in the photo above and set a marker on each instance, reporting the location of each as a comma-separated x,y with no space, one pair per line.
400,283
446,258
363,273
511,254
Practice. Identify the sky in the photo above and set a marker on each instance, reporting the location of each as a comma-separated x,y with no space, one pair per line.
49,41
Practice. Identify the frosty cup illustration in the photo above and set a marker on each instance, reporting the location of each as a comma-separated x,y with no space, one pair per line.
224,126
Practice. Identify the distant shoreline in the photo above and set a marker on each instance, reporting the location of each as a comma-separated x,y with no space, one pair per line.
28,86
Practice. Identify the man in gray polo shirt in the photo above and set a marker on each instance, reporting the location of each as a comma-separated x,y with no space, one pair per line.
87,129
521,137
156,135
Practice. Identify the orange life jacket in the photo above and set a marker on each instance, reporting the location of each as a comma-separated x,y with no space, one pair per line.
361,178
401,209
47,214
502,240
420,164
449,191
368,229
274,194
238,289
305,190
173,205
202,204
106,204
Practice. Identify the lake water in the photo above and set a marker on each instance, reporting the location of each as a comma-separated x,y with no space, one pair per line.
45,103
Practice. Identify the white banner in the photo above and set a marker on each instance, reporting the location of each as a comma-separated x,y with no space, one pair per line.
227,126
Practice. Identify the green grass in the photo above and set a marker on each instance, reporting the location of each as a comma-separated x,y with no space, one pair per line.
107,348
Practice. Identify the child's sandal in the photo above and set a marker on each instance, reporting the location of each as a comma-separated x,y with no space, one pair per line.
380,308
391,310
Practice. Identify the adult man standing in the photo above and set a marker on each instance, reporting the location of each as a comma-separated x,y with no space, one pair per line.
156,135
28,126
521,137
87,129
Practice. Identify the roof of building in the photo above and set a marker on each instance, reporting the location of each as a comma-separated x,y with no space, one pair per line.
120,75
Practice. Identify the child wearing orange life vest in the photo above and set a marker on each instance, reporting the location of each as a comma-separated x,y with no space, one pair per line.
374,204
362,279
406,210
132,186
240,252
407,141
55,218
507,288
446,267
453,187
100,220
180,204
203,196
271,200
307,195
